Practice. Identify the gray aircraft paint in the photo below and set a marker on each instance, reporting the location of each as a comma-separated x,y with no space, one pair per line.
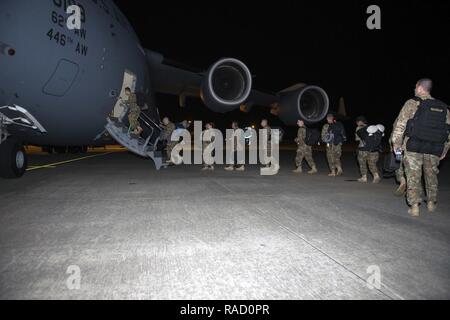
69,80
74,106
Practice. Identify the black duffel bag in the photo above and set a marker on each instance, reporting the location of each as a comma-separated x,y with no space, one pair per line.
390,164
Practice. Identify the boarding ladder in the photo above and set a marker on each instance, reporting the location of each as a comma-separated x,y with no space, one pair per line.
145,145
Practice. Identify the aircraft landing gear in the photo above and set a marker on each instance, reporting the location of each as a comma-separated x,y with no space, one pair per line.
13,159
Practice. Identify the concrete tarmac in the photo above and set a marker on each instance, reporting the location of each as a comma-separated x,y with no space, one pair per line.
134,233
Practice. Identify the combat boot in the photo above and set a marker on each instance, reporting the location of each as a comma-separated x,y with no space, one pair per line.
205,168
363,179
229,168
241,168
414,211
298,170
332,173
431,205
400,192
376,178
313,170
339,171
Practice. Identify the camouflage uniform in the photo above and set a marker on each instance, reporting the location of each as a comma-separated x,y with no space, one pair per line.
416,162
400,172
334,152
208,156
134,112
268,147
366,157
303,150
167,136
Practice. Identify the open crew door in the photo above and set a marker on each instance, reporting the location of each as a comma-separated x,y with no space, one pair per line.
144,145
129,81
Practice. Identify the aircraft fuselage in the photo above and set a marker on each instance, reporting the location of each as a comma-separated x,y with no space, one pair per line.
68,79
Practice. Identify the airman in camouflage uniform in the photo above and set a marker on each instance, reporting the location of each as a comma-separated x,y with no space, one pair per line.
169,128
206,144
134,112
303,150
265,127
334,147
416,162
366,158
234,161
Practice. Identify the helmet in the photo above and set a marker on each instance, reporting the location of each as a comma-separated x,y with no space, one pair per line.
381,128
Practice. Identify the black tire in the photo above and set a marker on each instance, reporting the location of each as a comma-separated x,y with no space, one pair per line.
13,159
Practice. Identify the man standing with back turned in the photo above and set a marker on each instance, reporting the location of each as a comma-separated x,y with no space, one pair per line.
333,134
422,132
166,135
304,151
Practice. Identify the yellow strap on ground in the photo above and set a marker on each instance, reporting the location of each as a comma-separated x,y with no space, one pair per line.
53,165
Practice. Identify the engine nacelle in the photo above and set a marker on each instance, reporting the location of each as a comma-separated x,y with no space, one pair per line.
310,103
227,85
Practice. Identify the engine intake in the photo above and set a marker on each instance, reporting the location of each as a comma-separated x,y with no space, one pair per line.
227,85
310,103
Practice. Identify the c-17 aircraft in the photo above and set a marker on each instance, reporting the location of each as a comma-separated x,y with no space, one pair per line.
62,87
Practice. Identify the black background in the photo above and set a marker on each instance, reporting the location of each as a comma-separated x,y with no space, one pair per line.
325,43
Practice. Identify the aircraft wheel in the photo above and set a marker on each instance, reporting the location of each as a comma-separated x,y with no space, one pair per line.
13,159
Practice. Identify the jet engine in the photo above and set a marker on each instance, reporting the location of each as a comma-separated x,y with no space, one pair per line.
226,86
310,103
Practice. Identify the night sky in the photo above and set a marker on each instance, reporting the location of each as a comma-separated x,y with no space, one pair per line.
325,43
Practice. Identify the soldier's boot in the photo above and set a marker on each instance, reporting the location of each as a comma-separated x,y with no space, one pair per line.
332,173
298,170
205,168
414,211
229,168
241,168
431,205
363,179
339,171
376,178
313,170
400,192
